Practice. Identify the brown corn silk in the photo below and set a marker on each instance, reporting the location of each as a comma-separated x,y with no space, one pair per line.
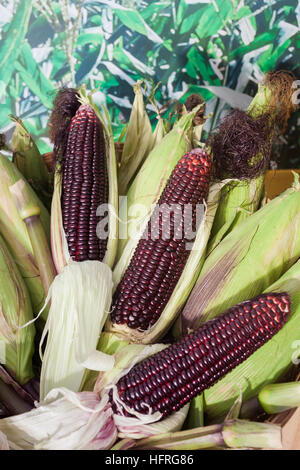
168,380
162,251
65,105
241,145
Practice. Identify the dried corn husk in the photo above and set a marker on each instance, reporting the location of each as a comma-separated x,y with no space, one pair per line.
139,140
80,299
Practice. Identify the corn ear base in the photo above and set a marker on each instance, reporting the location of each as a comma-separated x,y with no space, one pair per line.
233,434
256,372
139,426
276,398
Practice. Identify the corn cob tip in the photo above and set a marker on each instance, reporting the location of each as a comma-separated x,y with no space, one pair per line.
168,380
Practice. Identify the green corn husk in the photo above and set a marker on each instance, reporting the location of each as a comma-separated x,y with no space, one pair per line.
149,183
243,198
139,141
59,246
14,231
233,434
276,398
159,131
193,101
16,343
28,160
269,364
247,261
237,202
30,213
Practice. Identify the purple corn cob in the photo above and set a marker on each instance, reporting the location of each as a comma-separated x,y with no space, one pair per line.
171,378
158,262
85,185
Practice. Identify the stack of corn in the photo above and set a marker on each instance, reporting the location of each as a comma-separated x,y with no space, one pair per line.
236,302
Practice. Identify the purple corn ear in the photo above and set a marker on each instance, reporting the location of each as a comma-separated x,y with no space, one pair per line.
84,185
158,261
168,380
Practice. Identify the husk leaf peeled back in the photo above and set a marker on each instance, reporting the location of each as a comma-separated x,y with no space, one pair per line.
59,246
80,299
85,420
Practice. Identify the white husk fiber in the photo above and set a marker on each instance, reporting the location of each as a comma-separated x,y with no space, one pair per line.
85,420
80,300
63,421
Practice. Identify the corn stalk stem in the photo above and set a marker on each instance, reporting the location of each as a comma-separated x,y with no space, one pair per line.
30,214
234,434
200,438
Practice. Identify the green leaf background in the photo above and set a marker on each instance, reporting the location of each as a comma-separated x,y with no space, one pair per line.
109,45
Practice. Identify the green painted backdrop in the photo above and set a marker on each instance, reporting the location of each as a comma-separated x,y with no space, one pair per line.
109,45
